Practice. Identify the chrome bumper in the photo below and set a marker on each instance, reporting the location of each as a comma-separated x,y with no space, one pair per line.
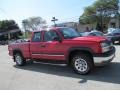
101,61
105,58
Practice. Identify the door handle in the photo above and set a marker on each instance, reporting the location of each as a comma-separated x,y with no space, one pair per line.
43,45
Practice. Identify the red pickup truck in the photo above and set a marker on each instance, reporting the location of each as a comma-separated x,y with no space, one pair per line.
64,45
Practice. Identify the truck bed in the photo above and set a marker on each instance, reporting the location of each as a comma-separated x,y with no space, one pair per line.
24,47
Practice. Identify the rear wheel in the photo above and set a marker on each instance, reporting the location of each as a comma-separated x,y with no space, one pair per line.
18,58
82,63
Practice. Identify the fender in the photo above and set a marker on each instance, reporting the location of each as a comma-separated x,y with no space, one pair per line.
79,49
18,50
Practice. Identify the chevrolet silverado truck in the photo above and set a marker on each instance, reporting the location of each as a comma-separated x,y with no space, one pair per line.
64,45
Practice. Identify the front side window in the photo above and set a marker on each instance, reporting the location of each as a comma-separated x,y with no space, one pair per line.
36,37
50,35
69,33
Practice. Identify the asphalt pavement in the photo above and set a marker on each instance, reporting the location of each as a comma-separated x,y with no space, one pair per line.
39,76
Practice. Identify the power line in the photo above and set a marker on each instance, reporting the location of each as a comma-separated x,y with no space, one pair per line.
4,12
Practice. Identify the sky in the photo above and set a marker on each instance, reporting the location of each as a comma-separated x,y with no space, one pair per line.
63,10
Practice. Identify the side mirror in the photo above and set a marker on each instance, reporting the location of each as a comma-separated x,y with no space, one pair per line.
57,39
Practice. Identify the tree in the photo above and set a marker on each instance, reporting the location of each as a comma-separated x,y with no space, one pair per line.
98,27
33,23
6,27
90,13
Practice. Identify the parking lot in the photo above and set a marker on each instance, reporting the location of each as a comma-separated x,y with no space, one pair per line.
38,76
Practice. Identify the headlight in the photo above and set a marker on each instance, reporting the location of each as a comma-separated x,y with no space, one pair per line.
105,47
103,44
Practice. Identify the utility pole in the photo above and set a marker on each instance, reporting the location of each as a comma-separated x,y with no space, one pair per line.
24,26
119,6
100,14
54,20
101,19
119,13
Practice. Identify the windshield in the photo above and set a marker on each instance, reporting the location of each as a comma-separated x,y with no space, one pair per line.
69,33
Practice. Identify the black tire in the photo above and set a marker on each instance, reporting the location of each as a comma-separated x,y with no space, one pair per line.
20,61
119,42
113,42
82,63
30,61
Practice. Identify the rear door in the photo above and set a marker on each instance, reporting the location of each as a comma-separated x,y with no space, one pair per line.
35,45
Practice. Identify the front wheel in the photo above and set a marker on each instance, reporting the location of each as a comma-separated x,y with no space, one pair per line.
18,58
82,63
113,42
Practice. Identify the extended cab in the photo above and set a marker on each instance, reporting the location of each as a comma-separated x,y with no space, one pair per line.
64,45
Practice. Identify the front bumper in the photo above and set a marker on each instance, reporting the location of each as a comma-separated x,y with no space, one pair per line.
105,58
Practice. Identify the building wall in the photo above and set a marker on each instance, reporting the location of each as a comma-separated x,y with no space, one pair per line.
82,28
79,27
114,23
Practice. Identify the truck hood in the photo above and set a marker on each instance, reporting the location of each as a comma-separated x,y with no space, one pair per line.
91,38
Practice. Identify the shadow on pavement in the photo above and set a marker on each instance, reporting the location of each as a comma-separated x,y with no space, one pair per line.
116,44
110,73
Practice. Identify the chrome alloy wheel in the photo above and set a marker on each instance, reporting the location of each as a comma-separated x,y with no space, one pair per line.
18,59
81,65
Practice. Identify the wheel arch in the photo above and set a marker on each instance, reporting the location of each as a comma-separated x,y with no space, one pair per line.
17,51
75,50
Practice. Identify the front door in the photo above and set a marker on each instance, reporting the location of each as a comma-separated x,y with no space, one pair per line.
52,49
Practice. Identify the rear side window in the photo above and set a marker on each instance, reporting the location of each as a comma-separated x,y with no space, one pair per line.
36,37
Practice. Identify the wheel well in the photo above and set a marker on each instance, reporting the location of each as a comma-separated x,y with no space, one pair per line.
79,51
